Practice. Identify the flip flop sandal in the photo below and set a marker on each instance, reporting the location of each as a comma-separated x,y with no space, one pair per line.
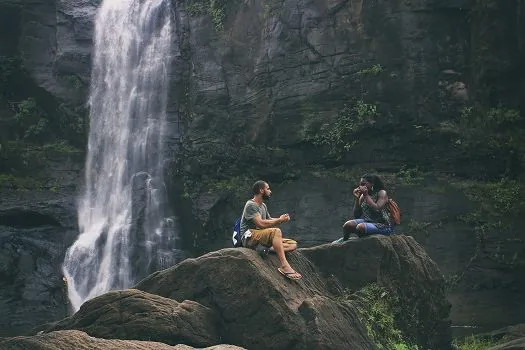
289,274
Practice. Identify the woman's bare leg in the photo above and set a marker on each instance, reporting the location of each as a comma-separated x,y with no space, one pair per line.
348,228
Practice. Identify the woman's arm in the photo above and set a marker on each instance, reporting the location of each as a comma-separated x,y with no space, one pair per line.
382,199
358,212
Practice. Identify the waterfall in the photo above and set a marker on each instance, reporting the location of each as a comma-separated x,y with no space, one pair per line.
122,222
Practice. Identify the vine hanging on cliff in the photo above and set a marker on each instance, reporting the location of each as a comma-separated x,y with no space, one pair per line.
341,135
217,10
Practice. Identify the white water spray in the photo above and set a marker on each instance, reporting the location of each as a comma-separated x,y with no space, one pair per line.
120,214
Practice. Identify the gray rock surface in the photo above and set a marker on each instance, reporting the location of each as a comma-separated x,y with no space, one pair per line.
135,315
66,340
309,313
404,269
517,344
257,306
55,46
33,240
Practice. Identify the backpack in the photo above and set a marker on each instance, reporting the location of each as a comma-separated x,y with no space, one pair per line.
236,237
394,210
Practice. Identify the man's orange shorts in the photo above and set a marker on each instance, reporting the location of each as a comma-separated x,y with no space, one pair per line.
264,237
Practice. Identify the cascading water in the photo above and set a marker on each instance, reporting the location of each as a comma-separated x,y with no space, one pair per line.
121,219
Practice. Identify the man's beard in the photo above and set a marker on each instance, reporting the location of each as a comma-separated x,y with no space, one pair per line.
265,197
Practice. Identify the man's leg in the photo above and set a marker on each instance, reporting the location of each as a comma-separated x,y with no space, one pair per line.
289,245
277,245
273,237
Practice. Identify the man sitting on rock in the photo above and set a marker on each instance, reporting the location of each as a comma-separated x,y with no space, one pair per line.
259,228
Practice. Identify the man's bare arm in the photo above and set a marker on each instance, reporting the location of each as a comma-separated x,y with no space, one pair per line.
266,223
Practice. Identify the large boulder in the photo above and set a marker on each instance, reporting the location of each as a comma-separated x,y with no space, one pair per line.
67,340
506,338
402,267
516,344
135,315
260,309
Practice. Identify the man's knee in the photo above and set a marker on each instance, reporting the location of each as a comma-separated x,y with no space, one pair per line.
272,236
292,245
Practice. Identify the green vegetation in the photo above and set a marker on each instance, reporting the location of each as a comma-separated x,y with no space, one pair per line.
197,9
497,203
234,187
33,125
437,189
216,9
271,8
374,70
32,122
495,134
23,183
472,343
376,307
416,228
59,146
410,176
9,67
497,208
340,136
238,187
25,161
73,122
74,81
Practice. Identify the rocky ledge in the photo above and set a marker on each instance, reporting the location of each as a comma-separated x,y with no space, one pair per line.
67,340
235,296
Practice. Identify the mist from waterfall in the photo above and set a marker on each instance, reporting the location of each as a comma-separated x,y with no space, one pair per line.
121,211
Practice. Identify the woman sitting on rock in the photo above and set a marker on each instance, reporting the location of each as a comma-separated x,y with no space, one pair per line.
370,209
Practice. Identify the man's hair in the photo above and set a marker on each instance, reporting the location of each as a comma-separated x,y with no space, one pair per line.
258,185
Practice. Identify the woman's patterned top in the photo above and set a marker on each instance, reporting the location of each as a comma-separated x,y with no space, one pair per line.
381,218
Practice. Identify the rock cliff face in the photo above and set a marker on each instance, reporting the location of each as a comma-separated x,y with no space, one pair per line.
251,74
236,296
55,46
253,82
36,227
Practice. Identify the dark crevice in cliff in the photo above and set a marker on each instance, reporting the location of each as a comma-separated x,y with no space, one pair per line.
333,11
9,25
26,219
